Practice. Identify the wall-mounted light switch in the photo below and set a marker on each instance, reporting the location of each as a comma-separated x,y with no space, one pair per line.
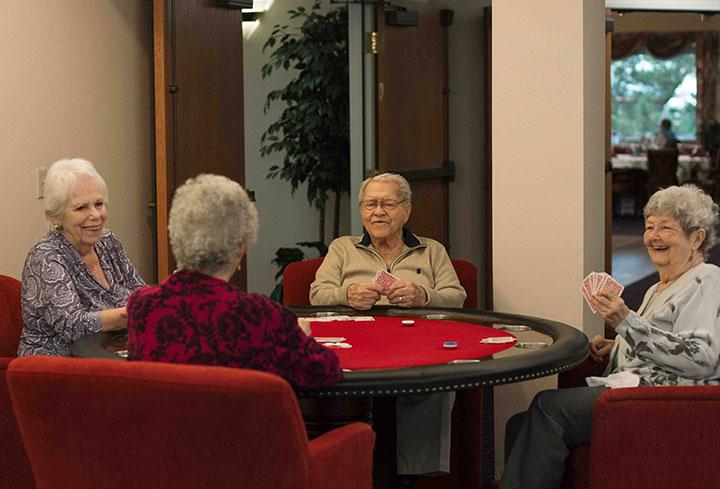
40,179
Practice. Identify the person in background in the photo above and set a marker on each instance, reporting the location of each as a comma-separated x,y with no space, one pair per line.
673,338
77,279
197,316
426,277
666,138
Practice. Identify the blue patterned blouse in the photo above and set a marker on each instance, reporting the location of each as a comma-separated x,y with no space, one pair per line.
62,299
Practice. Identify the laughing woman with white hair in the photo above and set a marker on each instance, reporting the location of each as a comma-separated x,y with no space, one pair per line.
672,339
77,279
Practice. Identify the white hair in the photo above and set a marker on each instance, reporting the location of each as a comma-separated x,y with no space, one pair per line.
403,187
210,218
693,209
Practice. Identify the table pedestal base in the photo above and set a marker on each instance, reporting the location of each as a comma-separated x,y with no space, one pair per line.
472,453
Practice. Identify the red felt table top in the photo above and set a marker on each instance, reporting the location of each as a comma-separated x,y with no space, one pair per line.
386,343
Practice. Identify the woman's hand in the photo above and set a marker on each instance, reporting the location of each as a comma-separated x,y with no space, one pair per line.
599,348
406,294
363,295
611,307
113,319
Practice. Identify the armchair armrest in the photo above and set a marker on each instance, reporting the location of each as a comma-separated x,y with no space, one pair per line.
343,458
660,437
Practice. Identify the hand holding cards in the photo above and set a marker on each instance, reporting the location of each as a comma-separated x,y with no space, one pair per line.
385,279
594,283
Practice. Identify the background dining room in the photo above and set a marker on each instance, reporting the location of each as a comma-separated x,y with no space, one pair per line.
664,66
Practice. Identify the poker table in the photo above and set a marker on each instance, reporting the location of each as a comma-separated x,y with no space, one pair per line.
441,350
387,358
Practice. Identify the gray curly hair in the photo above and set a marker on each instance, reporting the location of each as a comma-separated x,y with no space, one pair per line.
403,187
693,209
60,180
211,217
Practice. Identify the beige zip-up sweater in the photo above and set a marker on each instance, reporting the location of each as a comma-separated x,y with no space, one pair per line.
352,259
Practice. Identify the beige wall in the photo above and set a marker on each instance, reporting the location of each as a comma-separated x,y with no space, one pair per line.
76,81
548,170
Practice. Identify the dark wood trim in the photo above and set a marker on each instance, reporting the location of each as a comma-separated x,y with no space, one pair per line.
487,173
445,172
164,131
608,148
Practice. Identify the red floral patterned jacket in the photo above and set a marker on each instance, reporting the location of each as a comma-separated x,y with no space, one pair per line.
197,319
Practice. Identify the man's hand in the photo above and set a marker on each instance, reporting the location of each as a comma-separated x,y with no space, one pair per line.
363,295
611,307
599,348
406,294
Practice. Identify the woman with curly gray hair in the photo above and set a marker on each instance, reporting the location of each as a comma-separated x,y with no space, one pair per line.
196,316
673,338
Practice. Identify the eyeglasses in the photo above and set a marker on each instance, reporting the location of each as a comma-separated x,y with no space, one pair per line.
388,205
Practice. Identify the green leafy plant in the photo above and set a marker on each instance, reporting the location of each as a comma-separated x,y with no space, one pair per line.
312,131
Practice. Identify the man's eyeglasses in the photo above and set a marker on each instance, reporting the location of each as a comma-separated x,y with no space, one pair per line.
388,205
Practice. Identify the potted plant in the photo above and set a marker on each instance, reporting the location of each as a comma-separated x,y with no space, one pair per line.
312,132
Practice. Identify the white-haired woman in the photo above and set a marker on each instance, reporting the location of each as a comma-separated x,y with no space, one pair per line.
673,338
77,279
196,316
425,276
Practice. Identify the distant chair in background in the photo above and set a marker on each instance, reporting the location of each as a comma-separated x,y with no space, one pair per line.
629,183
710,182
662,169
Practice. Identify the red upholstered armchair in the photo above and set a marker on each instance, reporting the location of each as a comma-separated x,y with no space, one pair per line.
659,437
108,424
14,466
299,275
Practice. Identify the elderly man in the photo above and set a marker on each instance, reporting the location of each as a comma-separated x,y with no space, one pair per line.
426,277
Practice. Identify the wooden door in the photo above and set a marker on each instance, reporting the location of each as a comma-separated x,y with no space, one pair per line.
198,102
412,113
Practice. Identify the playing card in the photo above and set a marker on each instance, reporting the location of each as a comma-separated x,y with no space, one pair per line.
602,280
498,340
613,286
385,279
588,298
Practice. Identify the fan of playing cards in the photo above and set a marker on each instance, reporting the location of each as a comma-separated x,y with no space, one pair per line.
385,279
594,283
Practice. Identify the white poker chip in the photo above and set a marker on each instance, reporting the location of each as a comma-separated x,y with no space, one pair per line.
408,322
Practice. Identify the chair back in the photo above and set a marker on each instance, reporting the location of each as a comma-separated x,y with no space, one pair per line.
299,275
468,276
297,278
90,423
10,316
662,168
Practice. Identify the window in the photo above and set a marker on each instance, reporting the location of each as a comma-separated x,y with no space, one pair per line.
646,89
